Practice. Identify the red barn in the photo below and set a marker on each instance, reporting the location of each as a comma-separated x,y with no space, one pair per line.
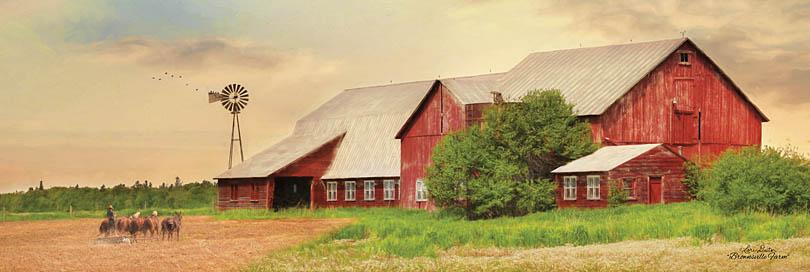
649,173
354,149
342,154
667,92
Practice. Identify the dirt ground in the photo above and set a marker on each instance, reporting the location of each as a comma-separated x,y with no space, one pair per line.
205,245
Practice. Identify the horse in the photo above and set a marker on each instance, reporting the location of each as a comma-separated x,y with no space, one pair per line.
151,225
122,225
171,225
135,226
106,228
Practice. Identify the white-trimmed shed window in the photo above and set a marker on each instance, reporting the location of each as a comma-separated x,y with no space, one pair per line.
351,190
421,191
570,188
331,191
368,190
388,189
593,187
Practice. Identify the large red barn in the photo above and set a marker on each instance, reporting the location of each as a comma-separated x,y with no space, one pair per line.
371,146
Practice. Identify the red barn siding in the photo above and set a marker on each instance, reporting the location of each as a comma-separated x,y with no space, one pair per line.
251,193
438,115
658,162
646,113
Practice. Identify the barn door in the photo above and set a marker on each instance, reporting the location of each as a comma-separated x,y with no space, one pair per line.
684,125
655,190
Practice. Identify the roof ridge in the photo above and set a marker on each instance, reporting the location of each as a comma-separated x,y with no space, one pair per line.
489,74
609,45
388,85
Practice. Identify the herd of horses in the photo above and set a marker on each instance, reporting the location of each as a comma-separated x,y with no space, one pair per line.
135,225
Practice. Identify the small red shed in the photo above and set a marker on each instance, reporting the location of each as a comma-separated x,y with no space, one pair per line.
650,173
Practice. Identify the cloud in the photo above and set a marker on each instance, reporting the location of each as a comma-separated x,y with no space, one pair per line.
196,53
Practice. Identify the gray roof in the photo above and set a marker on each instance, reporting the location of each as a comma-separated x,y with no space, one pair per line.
605,159
590,78
473,89
279,155
368,118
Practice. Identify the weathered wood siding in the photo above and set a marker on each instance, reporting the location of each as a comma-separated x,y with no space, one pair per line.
658,162
250,193
437,115
709,115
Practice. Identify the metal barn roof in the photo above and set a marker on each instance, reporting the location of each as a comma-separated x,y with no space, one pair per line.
473,89
590,78
605,159
368,118
279,155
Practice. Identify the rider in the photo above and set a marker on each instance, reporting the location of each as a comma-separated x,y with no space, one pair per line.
110,214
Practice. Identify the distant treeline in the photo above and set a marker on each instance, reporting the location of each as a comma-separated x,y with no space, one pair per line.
138,196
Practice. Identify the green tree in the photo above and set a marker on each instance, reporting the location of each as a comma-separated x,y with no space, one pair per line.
503,167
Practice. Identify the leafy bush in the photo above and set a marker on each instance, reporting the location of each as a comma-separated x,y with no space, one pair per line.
693,179
769,180
503,167
617,195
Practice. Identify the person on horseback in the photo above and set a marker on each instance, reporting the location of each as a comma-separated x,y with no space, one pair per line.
111,215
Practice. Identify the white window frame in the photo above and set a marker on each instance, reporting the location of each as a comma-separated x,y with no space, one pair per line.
570,188
368,191
594,192
421,191
350,195
388,189
331,191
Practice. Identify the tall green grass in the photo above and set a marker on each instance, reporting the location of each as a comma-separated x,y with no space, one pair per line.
410,233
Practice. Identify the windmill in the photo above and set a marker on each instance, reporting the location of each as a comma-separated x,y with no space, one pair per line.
234,98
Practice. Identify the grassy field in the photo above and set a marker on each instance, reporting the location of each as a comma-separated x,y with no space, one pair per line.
410,233
407,234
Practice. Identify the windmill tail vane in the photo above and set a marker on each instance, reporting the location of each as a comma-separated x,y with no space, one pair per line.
214,97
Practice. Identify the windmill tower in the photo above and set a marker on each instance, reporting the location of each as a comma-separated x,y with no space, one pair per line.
234,98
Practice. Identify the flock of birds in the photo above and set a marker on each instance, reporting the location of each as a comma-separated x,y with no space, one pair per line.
172,76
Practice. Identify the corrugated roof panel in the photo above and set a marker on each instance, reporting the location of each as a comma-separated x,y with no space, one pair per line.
605,159
279,155
473,89
370,118
590,78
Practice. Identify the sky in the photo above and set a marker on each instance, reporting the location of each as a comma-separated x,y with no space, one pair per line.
81,106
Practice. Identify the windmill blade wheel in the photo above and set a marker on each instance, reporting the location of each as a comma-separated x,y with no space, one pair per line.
234,97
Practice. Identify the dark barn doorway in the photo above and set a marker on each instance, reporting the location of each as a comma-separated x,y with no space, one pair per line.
291,192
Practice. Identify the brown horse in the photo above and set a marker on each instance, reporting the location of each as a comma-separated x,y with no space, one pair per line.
171,225
135,226
151,225
106,228
122,225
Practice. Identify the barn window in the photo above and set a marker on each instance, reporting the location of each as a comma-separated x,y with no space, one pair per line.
368,190
421,191
234,191
630,188
570,188
331,191
351,190
388,189
593,187
684,57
